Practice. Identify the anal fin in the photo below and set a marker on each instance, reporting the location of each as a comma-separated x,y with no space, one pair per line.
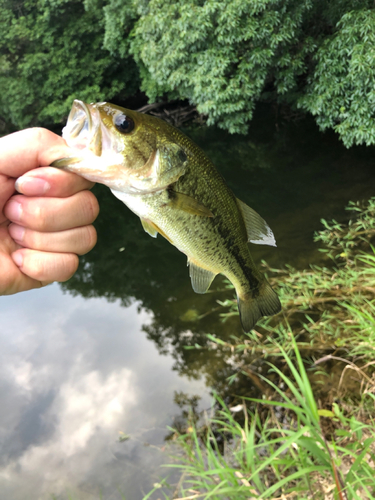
201,279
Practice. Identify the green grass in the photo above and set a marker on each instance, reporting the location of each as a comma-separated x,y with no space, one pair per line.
283,451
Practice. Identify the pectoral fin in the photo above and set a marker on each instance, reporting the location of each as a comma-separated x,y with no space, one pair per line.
65,162
258,231
149,227
201,279
188,204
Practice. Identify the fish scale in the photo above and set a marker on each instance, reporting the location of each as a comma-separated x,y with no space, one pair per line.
175,189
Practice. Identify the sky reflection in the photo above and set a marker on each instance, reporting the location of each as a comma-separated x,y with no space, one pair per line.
73,373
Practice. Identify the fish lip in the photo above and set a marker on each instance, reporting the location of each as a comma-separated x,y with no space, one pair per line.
83,128
79,121
78,115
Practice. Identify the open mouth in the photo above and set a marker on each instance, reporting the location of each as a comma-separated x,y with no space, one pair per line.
83,128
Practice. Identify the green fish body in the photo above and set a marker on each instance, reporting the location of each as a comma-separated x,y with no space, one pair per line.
169,182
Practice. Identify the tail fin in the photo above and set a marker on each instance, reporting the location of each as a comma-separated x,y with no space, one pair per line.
252,308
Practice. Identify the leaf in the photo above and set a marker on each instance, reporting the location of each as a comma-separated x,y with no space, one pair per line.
326,413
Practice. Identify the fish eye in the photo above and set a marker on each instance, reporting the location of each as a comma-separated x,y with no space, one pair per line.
123,123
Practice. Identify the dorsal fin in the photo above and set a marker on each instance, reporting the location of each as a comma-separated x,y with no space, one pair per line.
201,279
258,231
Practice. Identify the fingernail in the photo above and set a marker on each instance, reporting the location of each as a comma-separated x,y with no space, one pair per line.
13,211
16,232
32,186
17,258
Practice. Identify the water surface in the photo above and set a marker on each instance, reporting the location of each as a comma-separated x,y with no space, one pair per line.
108,355
74,373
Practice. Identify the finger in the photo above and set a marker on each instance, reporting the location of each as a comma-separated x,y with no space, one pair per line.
46,267
79,240
12,280
6,191
53,214
29,149
49,181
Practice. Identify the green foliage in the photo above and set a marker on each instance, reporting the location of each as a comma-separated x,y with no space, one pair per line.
341,93
51,53
225,56
343,241
119,17
221,56
283,451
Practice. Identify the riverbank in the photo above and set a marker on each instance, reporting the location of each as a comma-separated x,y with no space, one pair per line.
311,433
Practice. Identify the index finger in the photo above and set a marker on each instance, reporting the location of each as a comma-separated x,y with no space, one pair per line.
28,149
52,182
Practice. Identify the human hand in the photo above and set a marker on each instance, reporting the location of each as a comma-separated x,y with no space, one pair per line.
43,229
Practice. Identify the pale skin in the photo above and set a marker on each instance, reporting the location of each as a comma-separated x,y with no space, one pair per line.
46,217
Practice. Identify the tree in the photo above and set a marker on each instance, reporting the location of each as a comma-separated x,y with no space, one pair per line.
226,55
341,90
51,53
222,55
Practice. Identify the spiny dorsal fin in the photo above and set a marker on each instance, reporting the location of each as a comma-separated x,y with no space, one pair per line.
201,279
184,202
258,231
149,227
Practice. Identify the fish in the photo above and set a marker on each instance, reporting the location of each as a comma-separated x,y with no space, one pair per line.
176,191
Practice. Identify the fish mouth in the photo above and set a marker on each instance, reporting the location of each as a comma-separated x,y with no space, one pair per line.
83,130
96,155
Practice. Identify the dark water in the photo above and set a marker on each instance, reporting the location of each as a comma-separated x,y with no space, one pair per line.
105,353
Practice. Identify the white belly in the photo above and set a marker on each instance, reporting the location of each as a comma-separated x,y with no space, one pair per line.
135,202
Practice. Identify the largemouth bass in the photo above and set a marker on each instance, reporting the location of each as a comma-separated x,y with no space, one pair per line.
170,183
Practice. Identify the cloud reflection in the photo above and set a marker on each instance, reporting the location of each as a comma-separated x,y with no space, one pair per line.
73,373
